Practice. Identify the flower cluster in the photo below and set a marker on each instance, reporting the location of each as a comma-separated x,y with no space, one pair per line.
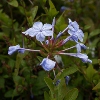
44,34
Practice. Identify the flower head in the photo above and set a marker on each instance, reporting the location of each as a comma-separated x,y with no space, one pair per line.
13,49
73,29
40,31
47,64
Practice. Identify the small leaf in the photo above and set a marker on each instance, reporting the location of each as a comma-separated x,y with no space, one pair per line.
13,3
72,94
97,87
46,96
2,81
49,83
85,37
89,23
90,71
18,79
52,11
60,23
34,12
18,62
94,42
86,27
94,33
95,61
21,9
9,93
67,72
62,89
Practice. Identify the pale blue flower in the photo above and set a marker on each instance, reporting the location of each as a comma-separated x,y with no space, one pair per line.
13,49
73,29
80,46
40,31
83,57
47,64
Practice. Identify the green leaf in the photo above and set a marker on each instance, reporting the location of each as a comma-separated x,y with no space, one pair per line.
13,3
18,79
86,27
94,33
21,9
95,61
2,81
89,22
94,42
46,96
11,93
18,62
50,84
67,72
97,87
40,58
60,23
90,71
52,11
34,12
72,94
4,18
62,89
85,37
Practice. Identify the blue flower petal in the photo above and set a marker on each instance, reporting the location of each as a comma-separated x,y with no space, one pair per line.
47,64
80,46
13,49
40,37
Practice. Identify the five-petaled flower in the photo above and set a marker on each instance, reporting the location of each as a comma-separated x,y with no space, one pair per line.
48,64
40,31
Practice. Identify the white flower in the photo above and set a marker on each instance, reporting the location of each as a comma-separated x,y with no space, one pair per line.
40,31
47,64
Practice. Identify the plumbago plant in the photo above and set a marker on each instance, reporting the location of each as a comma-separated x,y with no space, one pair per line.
51,50
51,61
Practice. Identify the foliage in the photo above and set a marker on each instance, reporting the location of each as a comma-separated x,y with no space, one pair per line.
22,77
